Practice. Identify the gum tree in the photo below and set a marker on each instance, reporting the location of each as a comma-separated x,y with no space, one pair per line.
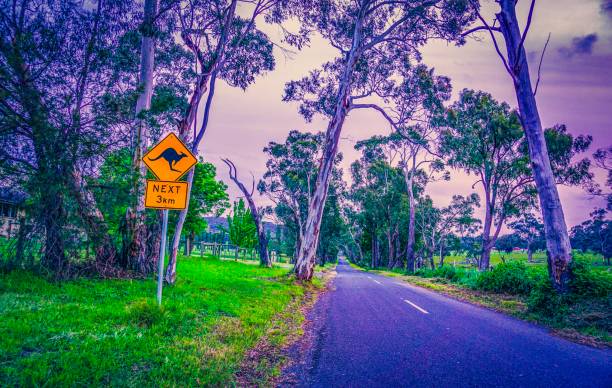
54,70
290,178
485,138
515,63
225,46
530,230
256,213
378,44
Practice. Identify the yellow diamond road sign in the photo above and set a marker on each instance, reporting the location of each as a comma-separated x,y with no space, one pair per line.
170,159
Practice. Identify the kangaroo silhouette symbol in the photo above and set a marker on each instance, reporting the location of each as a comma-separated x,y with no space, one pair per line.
171,156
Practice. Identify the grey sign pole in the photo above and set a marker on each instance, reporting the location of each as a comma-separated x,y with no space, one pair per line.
162,255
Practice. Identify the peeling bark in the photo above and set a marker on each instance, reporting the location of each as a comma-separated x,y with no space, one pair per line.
306,257
135,244
408,177
557,239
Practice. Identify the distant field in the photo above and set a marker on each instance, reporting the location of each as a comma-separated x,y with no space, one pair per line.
110,332
539,258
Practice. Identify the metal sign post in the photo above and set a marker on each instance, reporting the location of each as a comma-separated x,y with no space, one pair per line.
168,160
162,256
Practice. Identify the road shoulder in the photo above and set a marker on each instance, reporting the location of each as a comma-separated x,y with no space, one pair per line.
512,305
279,357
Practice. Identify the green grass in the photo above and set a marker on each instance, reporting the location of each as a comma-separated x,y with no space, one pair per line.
111,332
539,258
584,315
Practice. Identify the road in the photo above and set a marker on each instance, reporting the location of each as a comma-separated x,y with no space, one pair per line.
375,331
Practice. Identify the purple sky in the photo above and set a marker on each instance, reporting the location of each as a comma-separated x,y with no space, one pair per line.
576,89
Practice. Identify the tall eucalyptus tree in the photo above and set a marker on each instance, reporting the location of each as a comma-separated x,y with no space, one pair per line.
378,44
485,138
225,46
558,246
54,67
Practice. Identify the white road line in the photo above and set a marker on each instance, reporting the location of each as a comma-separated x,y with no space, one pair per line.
416,307
377,281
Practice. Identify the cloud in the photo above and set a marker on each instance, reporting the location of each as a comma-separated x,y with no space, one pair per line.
581,45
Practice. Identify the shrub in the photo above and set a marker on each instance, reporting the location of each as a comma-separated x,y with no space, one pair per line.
545,300
588,282
144,313
454,274
509,278
424,272
448,272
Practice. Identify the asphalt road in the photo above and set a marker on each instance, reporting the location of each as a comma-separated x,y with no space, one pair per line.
377,332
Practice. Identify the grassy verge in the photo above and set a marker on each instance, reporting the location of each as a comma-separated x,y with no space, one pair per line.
586,319
111,332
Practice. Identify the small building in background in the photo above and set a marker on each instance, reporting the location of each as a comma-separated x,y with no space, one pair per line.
11,209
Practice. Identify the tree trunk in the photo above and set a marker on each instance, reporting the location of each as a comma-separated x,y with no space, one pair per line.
95,225
485,253
398,251
264,258
153,239
22,236
557,239
411,221
485,257
391,261
441,253
53,220
192,242
262,239
373,261
176,239
135,242
529,253
187,245
306,256
185,124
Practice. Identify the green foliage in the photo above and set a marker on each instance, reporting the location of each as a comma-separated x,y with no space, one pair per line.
587,282
594,234
509,278
208,196
241,225
545,300
145,313
93,332
113,188
454,274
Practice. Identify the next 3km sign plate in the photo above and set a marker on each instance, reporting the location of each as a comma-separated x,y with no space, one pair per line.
166,195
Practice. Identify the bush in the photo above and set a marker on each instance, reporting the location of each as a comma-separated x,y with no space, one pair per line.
424,272
454,274
587,282
144,313
509,278
545,300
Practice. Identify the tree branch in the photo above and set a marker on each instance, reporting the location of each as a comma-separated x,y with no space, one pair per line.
535,91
